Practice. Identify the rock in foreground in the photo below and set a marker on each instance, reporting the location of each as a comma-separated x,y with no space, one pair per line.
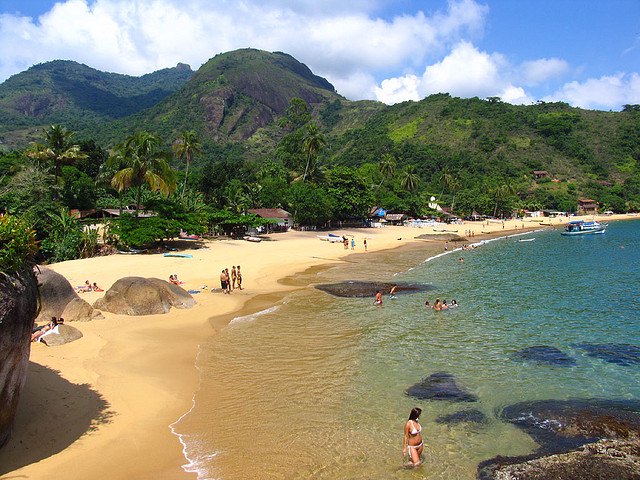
143,296
18,305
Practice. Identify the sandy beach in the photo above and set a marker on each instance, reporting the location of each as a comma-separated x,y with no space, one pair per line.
102,407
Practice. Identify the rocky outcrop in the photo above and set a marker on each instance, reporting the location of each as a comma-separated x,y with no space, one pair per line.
440,386
18,306
143,296
586,439
618,353
59,299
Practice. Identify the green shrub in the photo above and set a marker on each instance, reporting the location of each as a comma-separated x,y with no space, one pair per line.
17,243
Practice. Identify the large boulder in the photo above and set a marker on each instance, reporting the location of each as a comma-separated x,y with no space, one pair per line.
18,306
59,299
60,335
143,296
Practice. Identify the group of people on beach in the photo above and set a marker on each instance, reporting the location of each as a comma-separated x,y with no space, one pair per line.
229,281
88,287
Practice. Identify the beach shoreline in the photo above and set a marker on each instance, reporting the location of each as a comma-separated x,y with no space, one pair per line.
102,406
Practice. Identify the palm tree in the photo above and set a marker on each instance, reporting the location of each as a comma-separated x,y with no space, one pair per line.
57,149
445,179
186,147
387,167
145,162
409,181
501,192
453,186
312,144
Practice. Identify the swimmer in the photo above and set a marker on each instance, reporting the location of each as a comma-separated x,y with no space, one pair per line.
412,440
427,304
378,300
392,293
437,305
453,304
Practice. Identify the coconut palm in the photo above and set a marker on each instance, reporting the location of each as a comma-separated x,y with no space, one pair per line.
445,180
387,167
186,147
312,144
454,184
146,162
409,181
57,149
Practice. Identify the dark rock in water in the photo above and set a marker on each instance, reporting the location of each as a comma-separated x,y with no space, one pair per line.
603,460
440,386
143,296
544,355
369,289
591,430
18,306
463,416
619,353
559,425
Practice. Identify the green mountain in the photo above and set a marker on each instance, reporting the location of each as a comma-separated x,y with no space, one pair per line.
234,103
77,96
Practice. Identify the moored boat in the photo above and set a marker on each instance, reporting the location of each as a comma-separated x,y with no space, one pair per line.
580,227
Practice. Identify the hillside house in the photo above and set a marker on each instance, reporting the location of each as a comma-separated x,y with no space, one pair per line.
587,206
538,174
280,220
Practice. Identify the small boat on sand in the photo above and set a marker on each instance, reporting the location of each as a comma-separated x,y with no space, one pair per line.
180,255
250,238
580,227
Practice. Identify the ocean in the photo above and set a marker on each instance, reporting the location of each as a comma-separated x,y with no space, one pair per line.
315,386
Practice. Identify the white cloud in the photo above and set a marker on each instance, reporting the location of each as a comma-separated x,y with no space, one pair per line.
539,71
608,92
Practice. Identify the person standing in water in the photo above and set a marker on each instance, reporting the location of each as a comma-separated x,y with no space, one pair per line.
412,441
378,300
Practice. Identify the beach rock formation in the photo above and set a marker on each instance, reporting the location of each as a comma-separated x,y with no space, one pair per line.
544,355
65,334
618,353
464,416
578,439
603,460
143,296
18,306
440,386
368,289
59,299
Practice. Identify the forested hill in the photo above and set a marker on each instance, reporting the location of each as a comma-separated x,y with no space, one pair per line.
78,96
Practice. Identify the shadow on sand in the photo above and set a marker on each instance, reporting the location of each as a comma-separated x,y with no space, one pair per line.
52,414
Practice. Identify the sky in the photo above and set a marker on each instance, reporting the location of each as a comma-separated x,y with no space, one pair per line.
583,52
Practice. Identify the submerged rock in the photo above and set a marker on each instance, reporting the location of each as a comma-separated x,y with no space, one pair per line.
440,386
463,416
143,296
544,355
369,289
618,353
561,426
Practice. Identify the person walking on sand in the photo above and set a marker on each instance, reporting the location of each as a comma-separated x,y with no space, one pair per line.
378,300
353,243
239,278
365,244
412,441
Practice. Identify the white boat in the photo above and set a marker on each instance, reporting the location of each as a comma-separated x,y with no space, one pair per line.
526,239
250,238
580,227
330,238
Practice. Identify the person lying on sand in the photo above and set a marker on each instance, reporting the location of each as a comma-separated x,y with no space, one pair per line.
96,288
84,288
39,332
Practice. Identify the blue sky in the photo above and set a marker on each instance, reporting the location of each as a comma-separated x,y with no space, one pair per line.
583,52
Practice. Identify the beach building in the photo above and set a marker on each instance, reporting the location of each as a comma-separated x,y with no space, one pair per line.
279,220
587,206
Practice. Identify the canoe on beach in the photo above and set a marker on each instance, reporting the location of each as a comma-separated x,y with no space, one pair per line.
181,255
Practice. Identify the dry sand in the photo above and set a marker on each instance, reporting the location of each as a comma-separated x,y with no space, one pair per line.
101,407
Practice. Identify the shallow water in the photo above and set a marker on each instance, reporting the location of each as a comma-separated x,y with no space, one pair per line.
314,386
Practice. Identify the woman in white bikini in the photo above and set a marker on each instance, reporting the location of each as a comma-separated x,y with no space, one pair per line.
412,438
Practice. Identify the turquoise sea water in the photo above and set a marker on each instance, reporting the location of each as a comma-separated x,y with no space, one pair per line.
313,388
